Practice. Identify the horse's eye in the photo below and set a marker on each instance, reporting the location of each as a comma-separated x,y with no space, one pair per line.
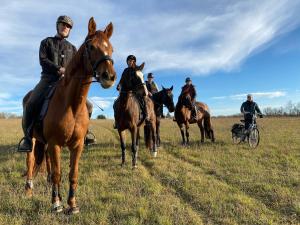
92,47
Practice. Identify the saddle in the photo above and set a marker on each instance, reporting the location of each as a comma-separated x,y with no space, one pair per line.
43,111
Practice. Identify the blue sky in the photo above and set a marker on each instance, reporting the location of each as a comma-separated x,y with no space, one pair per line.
229,48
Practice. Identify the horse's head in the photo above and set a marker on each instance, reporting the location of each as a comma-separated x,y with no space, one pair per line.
187,94
167,98
98,49
136,80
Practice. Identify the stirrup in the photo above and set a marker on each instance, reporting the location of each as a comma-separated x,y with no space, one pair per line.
29,149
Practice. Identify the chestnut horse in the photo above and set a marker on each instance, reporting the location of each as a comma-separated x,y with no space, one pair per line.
183,114
128,111
66,121
160,99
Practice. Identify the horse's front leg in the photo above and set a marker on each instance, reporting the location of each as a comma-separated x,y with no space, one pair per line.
200,125
158,132
182,134
48,164
75,153
123,146
54,152
187,134
154,139
133,147
30,162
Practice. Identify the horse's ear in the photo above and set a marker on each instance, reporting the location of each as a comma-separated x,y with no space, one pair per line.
163,87
171,88
92,26
109,30
141,67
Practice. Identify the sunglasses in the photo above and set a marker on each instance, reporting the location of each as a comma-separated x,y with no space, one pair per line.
66,25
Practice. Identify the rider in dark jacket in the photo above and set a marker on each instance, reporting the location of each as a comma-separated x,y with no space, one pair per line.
249,108
125,85
55,53
191,89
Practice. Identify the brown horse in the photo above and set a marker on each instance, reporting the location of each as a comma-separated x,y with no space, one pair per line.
127,115
66,121
183,114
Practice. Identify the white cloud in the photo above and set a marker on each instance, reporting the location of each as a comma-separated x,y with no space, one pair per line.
198,37
102,102
9,105
256,95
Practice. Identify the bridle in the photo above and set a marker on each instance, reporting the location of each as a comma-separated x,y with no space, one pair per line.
95,65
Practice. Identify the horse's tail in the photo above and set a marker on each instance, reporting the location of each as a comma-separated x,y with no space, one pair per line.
148,135
40,157
209,133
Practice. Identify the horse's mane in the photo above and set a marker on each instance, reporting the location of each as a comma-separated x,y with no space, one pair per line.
73,64
189,90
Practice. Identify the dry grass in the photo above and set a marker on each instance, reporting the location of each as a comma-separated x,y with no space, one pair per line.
206,183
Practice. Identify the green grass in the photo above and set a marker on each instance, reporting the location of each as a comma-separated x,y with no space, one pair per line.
209,183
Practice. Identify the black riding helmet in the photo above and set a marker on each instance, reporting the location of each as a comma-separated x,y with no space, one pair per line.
131,57
188,79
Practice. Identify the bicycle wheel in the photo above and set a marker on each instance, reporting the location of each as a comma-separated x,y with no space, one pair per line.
253,139
236,139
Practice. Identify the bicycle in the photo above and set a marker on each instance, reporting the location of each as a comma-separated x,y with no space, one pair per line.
251,135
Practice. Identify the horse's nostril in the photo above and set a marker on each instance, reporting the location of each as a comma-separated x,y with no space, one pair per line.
106,75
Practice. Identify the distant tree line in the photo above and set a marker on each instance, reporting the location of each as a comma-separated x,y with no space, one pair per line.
4,115
291,109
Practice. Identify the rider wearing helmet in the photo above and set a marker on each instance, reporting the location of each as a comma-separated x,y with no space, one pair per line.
55,54
248,108
125,86
191,88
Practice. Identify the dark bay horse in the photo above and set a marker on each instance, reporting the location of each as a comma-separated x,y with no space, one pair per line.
161,98
183,114
128,115
66,121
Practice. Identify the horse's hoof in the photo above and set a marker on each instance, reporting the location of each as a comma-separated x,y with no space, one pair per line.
28,192
134,167
72,210
154,154
57,207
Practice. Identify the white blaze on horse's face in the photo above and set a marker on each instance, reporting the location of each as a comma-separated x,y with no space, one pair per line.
141,76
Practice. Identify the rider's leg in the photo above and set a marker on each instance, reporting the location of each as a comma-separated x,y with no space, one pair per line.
89,139
30,111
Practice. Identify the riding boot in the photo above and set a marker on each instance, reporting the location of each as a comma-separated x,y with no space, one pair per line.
193,118
25,145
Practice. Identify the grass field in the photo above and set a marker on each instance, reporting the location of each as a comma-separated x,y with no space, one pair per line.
209,183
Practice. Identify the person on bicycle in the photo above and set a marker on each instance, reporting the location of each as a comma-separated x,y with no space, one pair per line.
249,108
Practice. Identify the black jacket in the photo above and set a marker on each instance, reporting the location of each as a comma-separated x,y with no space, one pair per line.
55,53
250,107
